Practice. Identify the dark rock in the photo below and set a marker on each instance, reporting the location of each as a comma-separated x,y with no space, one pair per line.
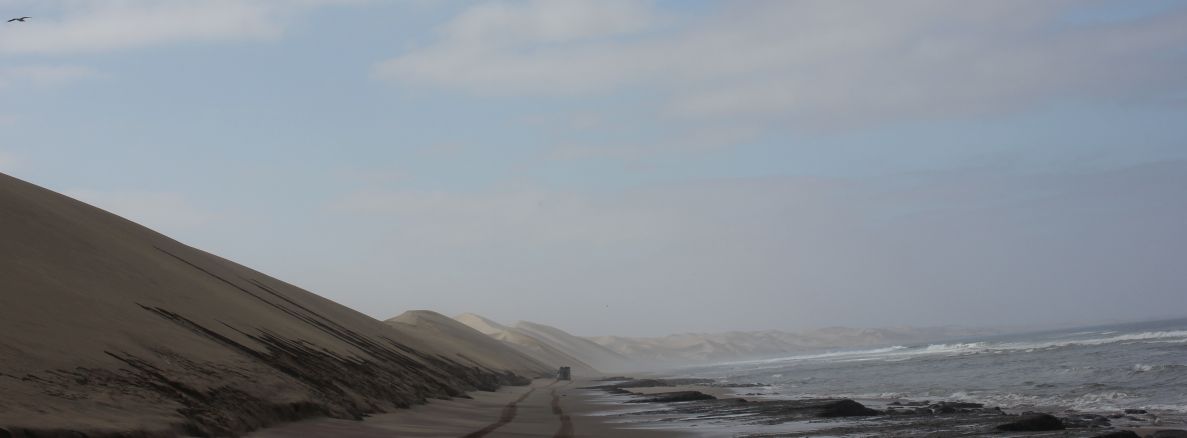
946,407
918,403
653,383
672,397
1169,433
1135,411
846,408
1086,420
964,405
1034,422
1119,434
614,379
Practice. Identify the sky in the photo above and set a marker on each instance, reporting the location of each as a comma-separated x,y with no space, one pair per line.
634,167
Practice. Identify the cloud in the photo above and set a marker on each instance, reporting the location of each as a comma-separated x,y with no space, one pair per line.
810,62
162,211
64,27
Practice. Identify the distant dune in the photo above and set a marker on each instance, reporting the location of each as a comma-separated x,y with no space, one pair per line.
551,345
586,351
468,345
110,329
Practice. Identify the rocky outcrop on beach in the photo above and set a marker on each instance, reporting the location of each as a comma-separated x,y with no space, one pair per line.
673,397
835,417
1034,422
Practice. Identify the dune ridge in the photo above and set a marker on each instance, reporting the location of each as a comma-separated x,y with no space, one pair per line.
551,345
469,345
108,328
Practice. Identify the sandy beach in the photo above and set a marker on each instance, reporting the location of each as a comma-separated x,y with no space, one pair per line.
546,408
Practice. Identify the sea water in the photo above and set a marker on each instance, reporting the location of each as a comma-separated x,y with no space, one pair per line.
1099,369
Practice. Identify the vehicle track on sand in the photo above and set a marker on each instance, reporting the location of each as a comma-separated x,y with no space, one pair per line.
507,416
566,430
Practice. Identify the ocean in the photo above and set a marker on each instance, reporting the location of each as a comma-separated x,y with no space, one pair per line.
1098,369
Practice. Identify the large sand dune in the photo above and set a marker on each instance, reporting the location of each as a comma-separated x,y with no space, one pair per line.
585,350
551,345
468,345
526,344
107,327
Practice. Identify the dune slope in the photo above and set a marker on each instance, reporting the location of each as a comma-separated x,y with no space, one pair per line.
467,345
110,329
585,350
551,345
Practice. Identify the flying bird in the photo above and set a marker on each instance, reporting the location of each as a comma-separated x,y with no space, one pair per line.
22,19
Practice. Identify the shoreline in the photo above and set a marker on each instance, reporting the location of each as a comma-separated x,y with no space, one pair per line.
544,408
726,410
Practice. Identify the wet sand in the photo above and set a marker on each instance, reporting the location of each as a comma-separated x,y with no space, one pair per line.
546,408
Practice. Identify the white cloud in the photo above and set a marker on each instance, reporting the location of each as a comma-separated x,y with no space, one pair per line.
62,26
162,211
809,61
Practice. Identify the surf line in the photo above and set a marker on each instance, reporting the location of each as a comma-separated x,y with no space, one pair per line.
509,411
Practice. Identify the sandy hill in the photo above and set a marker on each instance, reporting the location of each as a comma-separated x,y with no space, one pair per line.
107,328
526,344
544,352
468,345
586,351
551,345
481,324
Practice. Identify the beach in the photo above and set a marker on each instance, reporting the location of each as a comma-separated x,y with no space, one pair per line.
549,408
545,408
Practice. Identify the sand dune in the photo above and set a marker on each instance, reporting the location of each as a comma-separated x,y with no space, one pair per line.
468,345
551,345
480,323
107,326
586,351
527,344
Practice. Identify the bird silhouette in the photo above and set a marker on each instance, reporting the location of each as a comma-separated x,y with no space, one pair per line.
22,19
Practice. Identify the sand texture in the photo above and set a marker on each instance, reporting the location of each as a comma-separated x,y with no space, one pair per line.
110,329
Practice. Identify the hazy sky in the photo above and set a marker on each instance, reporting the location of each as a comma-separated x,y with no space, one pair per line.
638,167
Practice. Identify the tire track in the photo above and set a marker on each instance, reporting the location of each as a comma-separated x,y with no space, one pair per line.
509,412
566,429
